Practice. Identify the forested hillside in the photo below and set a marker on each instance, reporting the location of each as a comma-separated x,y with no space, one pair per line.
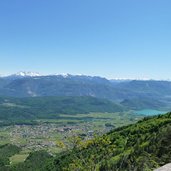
142,146
15,109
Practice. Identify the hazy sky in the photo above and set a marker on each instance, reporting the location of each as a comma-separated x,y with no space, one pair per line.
111,38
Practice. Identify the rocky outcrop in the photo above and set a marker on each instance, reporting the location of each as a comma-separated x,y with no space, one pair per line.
166,167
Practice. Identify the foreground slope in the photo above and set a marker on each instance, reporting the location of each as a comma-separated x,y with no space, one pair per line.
141,146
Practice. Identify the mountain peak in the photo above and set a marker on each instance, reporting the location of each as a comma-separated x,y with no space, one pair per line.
65,75
27,74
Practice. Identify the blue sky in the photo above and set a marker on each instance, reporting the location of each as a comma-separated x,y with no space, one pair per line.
110,38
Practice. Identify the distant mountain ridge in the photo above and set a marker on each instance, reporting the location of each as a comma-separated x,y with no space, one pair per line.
22,74
37,74
29,84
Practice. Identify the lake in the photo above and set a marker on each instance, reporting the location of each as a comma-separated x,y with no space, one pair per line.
149,112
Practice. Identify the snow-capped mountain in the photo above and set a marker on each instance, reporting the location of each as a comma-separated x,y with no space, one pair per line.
65,75
22,74
27,74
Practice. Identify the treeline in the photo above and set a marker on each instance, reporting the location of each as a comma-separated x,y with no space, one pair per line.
6,151
36,161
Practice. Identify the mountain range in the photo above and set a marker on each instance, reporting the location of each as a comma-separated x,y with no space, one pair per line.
134,94
131,93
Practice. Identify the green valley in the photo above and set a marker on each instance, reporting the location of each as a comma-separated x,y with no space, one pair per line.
67,132
144,146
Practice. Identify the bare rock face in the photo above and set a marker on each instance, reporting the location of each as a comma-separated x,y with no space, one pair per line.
166,167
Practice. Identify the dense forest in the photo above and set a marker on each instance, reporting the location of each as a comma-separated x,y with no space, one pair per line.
141,146
25,109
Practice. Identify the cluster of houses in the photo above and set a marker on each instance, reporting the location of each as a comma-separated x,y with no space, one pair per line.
44,135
